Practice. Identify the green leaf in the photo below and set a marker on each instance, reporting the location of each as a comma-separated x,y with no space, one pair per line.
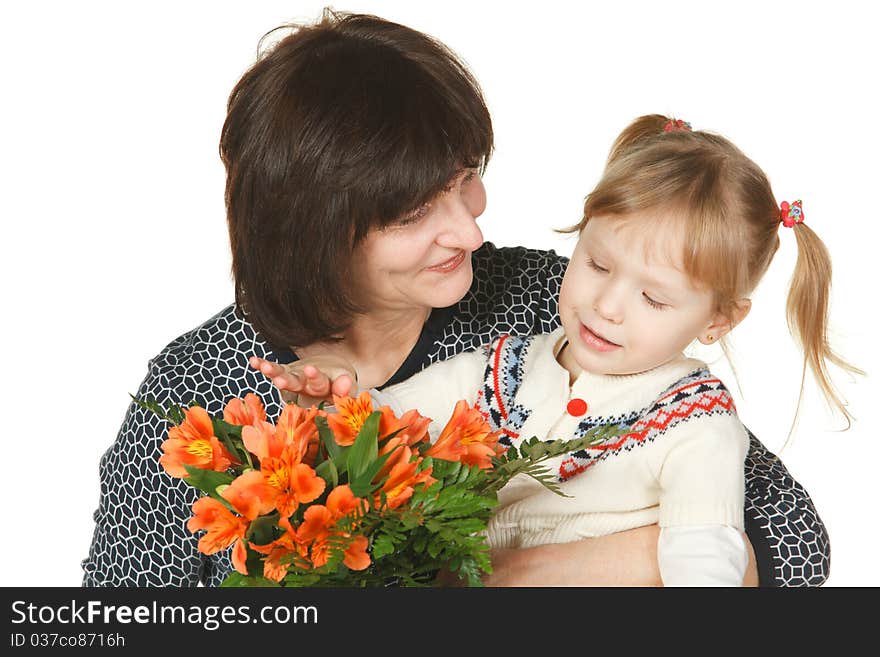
237,580
336,451
225,433
362,484
365,447
261,530
382,545
208,481
173,415
327,471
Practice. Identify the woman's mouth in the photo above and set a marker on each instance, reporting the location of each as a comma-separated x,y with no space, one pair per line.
448,265
595,341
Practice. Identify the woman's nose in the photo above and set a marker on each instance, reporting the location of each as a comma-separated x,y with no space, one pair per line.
460,230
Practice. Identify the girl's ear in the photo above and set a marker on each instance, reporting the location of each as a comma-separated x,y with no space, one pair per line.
721,325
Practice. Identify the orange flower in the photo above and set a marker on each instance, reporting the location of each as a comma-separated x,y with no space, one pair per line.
250,494
224,529
318,524
193,443
297,427
468,438
294,483
356,556
279,549
412,427
280,450
262,440
402,480
248,411
351,413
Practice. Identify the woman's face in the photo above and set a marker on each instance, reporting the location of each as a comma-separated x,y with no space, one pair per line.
424,260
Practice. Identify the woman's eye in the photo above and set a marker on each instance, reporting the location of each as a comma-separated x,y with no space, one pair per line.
654,304
414,216
592,265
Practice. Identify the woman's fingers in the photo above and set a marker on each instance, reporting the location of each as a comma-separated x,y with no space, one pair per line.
311,385
289,382
268,368
342,385
317,384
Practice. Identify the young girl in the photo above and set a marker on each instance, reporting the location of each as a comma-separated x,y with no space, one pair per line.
673,240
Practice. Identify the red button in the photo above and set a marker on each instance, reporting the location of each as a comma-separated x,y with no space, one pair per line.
576,407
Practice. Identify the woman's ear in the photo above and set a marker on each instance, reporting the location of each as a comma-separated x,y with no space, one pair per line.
722,324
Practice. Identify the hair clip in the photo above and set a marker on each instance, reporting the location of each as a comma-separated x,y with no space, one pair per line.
792,214
677,126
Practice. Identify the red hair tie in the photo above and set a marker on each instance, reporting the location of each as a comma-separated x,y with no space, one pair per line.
792,214
677,126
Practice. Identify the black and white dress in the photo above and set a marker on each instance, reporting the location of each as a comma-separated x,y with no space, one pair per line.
140,534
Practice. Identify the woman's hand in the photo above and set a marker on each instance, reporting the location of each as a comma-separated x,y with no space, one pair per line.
623,559
308,383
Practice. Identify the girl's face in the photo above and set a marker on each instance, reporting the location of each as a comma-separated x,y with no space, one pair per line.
424,261
626,304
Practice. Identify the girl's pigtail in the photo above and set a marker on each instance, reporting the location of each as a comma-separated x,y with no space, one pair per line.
807,314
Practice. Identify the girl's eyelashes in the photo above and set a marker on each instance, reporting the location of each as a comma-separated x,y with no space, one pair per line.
657,305
593,265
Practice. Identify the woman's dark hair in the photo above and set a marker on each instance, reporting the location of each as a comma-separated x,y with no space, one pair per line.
342,126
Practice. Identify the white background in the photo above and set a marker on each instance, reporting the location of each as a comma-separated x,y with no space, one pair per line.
114,239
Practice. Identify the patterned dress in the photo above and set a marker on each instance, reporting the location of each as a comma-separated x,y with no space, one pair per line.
140,536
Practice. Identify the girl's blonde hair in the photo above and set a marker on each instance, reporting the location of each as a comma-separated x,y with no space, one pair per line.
731,220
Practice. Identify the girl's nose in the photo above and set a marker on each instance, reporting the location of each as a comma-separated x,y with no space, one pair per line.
609,305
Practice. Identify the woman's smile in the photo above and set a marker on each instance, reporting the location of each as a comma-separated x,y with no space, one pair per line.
448,265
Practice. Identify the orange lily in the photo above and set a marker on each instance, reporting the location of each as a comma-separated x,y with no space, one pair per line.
294,483
318,525
224,529
356,556
298,428
412,429
280,450
193,443
244,412
250,494
273,566
412,426
402,480
351,413
468,438
250,497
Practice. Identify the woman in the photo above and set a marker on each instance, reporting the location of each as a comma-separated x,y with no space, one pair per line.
353,150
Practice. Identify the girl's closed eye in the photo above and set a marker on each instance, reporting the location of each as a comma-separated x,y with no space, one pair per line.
592,264
657,305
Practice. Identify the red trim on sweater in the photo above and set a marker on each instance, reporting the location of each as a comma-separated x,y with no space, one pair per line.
495,367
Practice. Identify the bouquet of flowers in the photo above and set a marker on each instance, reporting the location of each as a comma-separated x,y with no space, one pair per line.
355,497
